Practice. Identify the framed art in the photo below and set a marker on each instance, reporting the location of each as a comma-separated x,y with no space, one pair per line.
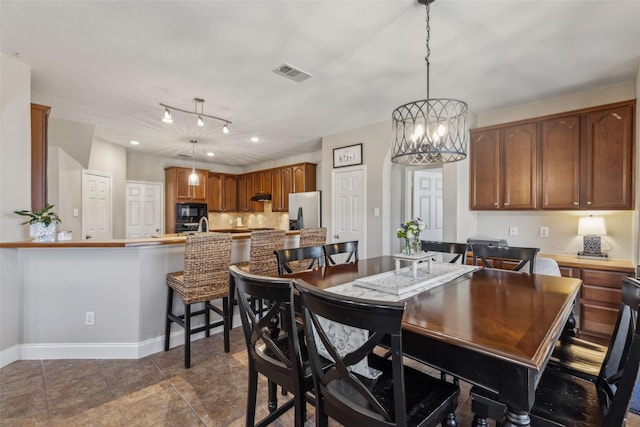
347,156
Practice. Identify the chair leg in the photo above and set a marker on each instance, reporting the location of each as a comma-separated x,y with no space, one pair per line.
226,323
207,318
167,325
232,296
450,421
252,392
300,409
187,336
273,396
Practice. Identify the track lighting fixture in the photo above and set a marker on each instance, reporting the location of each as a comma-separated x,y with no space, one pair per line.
200,122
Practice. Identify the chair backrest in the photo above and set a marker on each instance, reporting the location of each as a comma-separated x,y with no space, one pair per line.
547,266
332,249
261,259
313,236
311,255
520,254
206,262
631,292
262,330
341,390
619,372
459,249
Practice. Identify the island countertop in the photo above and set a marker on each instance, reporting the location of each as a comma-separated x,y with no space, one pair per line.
157,240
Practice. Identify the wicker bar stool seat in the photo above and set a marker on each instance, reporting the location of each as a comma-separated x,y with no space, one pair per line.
205,278
313,237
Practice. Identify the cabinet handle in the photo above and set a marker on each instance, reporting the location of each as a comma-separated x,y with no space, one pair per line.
588,203
506,204
575,203
495,204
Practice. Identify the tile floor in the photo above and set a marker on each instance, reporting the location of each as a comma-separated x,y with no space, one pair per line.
153,391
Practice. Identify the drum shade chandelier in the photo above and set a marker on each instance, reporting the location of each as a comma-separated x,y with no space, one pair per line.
429,131
200,121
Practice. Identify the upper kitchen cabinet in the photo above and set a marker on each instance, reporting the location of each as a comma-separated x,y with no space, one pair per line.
39,149
608,159
277,190
304,177
587,160
504,168
245,191
177,188
222,189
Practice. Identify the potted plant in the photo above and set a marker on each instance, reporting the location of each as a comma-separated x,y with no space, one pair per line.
42,223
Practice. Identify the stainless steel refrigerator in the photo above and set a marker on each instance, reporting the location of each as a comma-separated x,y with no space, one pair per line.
305,210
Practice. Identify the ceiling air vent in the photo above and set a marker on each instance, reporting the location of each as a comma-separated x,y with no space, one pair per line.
291,72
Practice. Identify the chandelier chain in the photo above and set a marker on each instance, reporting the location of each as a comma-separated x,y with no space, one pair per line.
427,57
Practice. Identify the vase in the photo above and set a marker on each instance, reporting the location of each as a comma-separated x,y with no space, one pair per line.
408,246
40,232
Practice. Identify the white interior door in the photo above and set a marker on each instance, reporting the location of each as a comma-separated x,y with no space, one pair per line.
348,213
427,202
96,205
144,209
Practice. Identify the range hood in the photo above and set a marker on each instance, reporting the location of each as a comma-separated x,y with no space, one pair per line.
261,197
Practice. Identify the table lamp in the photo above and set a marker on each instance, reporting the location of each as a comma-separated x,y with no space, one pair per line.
592,227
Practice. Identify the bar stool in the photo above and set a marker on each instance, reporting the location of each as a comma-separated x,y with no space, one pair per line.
313,236
205,278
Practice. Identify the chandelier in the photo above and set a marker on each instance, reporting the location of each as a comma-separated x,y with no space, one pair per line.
200,121
430,131
194,179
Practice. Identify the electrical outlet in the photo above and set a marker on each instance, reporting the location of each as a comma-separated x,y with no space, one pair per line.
544,232
89,318
513,231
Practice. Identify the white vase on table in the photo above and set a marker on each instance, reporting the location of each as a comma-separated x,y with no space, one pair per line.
40,232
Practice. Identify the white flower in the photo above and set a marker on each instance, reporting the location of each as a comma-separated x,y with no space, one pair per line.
409,233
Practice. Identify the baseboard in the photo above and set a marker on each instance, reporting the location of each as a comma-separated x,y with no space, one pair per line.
99,350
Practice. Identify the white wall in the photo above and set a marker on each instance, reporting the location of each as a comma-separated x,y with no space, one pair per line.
75,138
65,189
15,193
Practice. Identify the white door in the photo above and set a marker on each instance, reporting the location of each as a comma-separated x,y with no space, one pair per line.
96,205
144,209
427,202
348,213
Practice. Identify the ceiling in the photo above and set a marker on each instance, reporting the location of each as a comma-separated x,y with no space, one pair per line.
110,63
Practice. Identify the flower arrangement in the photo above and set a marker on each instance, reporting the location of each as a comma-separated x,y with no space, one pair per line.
410,232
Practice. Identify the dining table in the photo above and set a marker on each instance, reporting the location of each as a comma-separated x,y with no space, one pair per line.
492,328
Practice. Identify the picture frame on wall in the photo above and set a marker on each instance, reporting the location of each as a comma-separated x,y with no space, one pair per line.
347,156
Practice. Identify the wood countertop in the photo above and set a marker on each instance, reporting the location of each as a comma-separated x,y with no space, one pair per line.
573,261
158,240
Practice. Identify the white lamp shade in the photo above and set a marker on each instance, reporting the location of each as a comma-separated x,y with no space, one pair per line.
591,226
194,179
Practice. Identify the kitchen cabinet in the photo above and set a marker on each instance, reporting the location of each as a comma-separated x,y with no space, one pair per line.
222,189
304,177
245,191
177,188
277,191
587,160
39,149
261,185
504,168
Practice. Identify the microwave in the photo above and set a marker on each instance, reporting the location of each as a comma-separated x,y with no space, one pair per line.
188,213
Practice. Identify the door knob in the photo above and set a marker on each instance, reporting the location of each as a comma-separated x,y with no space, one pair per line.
157,230
336,236
88,236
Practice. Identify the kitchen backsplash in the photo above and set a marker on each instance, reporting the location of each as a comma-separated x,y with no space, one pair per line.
269,219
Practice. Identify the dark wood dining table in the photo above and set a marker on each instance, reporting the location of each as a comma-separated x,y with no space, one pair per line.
493,328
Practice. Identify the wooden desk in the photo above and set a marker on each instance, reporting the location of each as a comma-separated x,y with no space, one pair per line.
493,328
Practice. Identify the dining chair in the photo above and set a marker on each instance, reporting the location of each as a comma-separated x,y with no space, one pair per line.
458,249
349,249
521,255
563,399
274,345
313,236
584,358
305,258
205,278
398,396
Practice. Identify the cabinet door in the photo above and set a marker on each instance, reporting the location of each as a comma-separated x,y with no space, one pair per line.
287,187
39,150
230,201
519,164
560,163
199,192
183,189
243,199
608,159
214,201
276,190
484,170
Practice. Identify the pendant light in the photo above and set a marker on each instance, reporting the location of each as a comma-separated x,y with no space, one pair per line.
194,179
432,130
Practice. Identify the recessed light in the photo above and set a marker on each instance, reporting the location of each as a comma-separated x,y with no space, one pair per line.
134,142
211,154
255,139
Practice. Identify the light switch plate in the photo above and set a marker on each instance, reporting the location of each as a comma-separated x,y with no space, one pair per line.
513,231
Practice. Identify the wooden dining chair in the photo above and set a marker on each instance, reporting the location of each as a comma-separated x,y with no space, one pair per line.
349,249
518,255
205,278
563,399
584,358
274,348
399,396
306,258
457,249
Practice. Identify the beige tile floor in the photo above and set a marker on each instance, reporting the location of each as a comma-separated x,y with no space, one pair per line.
153,391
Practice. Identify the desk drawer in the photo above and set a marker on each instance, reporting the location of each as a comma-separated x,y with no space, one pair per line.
597,320
610,279
602,294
